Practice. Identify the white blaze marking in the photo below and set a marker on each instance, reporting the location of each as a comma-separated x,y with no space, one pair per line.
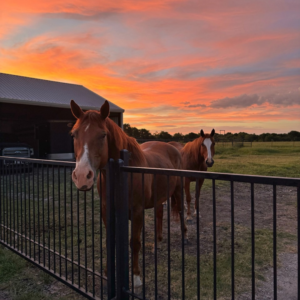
84,160
207,143
87,127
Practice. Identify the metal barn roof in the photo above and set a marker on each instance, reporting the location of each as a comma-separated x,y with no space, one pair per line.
33,91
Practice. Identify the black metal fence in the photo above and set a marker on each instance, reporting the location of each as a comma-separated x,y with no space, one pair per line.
242,225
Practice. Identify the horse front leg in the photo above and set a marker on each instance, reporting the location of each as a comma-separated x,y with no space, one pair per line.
197,195
159,222
176,199
188,198
135,243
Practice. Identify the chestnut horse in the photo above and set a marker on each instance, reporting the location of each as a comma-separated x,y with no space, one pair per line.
196,156
97,139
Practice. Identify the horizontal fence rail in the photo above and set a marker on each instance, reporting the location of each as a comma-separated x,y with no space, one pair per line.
235,233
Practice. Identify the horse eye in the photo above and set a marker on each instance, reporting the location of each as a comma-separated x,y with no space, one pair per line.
103,136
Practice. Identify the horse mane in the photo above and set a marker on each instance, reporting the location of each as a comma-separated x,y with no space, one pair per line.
119,140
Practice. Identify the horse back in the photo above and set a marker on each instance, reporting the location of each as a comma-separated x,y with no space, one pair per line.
161,155
177,145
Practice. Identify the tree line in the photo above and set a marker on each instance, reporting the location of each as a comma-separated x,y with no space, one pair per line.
144,134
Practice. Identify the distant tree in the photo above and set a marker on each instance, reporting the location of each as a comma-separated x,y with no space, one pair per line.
127,129
178,136
145,134
191,136
135,132
164,135
294,135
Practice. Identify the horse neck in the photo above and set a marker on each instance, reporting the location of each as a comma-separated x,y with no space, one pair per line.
119,140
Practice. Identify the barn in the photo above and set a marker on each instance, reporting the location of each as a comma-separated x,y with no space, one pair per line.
37,112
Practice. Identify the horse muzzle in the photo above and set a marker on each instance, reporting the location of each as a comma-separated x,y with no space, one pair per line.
209,162
84,180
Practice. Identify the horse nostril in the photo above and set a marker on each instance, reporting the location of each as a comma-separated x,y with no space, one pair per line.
90,175
74,175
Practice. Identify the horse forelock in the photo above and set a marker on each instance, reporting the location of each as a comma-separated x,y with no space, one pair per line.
90,118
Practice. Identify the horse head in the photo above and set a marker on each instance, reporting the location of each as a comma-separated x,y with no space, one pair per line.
207,149
90,144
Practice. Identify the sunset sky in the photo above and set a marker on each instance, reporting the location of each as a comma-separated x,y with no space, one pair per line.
173,65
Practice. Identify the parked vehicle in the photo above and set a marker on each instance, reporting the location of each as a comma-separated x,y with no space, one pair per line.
11,146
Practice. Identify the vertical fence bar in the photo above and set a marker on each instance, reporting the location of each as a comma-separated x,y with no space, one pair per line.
232,241
13,208
85,241
78,237
198,236
110,229
253,240
29,206
144,237
169,237
59,219
121,207
53,219
43,217
131,228
93,241
155,235
215,237
33,208
275,241
19,228
6,204
48,218
10,227
101,233
72,239
65,221
1,197
182,238
298,233
38,208
23,187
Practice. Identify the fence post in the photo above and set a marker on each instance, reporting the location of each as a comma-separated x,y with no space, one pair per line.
110,228
121,208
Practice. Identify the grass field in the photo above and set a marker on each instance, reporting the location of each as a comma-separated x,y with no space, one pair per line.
20,280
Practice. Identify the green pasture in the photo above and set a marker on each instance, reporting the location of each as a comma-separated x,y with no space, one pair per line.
278,160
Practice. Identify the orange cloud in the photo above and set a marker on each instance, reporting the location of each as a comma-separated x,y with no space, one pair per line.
152,57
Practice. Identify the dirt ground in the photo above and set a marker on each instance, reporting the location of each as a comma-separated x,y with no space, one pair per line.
286,281
263,220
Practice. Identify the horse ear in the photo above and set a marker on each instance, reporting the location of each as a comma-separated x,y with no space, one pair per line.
201,133
104,110
76,110
212,133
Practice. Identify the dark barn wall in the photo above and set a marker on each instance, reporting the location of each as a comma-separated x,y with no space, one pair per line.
61,140
43,128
